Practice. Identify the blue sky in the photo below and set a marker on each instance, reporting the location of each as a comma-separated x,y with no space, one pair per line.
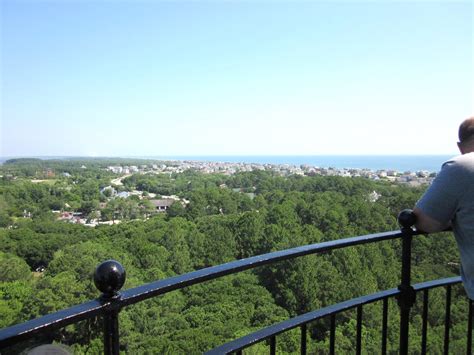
155,78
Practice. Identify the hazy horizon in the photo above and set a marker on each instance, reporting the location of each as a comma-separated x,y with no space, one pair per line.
430,163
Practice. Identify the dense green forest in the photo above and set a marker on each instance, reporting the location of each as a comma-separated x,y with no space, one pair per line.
224,218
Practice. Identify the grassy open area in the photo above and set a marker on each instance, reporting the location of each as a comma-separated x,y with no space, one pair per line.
48,181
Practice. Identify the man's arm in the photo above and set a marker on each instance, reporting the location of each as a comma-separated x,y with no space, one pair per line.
426,223
437,207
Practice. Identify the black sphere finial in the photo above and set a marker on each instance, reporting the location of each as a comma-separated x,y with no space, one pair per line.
406,218
109,278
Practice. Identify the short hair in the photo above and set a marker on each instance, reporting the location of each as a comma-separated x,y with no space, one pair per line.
466,130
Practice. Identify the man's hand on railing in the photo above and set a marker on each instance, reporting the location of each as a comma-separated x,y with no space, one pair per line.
427,224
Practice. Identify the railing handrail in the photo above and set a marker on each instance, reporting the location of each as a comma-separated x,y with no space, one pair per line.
59,319
15,333
289,324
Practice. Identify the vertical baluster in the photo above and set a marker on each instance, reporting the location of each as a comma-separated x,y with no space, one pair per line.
111,333
332,335
447,320
303,339
359,331
384,325
407,295
273,345
424,328
469,329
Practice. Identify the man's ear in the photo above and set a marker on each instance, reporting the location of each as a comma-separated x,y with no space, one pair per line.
460,147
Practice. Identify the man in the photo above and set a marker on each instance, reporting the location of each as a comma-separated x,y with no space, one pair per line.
449,201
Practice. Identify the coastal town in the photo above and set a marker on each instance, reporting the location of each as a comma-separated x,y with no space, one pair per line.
413,178
118,201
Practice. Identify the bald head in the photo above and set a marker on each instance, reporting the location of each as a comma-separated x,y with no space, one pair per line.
466,136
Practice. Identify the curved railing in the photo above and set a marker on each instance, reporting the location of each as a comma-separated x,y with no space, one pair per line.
301,321
109,277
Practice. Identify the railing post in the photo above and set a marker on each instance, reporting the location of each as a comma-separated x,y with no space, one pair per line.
109,278
407,296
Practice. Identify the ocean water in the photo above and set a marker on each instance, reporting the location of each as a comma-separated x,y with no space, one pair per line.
400,163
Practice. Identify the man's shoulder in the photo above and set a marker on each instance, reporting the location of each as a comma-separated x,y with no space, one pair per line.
460,164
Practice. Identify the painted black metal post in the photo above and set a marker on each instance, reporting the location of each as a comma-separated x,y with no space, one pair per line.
111,333
109,278
407,296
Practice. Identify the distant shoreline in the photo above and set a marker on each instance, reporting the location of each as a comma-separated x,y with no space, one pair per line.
431,163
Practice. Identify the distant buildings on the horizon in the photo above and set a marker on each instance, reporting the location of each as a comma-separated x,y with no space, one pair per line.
229,168
162,203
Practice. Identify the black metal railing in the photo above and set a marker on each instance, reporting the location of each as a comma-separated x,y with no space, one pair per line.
109,277
301,321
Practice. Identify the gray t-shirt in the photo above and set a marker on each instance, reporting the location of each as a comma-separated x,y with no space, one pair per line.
451,198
